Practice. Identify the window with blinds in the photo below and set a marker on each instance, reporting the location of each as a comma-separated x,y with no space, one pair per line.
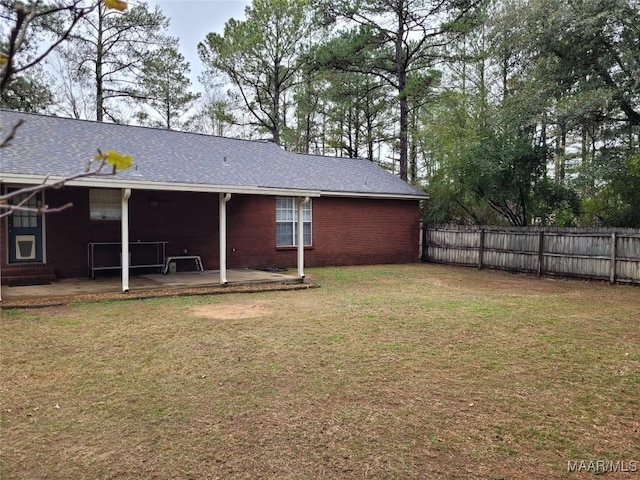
287,222
105,204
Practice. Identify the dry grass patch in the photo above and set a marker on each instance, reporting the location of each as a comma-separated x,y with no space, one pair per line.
413,371
229,312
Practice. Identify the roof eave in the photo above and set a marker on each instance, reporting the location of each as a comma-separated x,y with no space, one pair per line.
389,196
102,182
111,182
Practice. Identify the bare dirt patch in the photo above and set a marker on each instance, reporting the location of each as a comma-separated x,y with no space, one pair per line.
233,311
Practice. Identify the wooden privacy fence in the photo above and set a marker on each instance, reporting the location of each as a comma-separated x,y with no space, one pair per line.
605,254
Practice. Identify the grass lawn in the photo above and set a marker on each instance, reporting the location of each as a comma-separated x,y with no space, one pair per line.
410,371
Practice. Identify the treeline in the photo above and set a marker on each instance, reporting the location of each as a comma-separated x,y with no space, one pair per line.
506,111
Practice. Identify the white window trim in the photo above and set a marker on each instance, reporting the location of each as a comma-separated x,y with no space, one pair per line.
293,212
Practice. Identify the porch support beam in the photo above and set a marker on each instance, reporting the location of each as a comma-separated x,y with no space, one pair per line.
126,194
301,203
222,217
0,273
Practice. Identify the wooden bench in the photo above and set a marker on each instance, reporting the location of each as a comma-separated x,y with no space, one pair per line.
195,258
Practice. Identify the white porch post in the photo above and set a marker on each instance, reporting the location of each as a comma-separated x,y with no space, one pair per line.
300,235
1,233
222,216
126,194
0,271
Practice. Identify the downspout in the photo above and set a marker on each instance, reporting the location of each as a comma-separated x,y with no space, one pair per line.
222,215
126,194
301,203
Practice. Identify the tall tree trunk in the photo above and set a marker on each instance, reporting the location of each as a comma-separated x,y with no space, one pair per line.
505,76
369,137
561,144
307,132
99,56
356,133
275,131
404,127
413,147
401,69
308,114
275,113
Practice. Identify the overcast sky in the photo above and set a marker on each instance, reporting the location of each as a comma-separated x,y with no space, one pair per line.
191,20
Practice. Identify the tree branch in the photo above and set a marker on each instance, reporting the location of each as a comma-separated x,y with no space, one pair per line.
7,140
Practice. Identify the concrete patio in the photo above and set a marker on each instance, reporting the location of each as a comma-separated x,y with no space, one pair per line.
66,290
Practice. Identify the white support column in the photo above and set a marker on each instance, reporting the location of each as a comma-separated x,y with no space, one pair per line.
222,216
126,194
300,236
0,270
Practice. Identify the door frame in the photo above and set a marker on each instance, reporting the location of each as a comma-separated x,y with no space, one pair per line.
42,228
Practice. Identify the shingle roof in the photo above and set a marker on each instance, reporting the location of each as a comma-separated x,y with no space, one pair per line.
49,145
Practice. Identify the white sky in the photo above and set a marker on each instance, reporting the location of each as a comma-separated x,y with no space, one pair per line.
192,20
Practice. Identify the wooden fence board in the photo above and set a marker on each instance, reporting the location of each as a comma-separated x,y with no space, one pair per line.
607,254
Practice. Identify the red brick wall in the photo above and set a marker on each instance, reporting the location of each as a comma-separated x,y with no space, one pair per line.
165,216
345,231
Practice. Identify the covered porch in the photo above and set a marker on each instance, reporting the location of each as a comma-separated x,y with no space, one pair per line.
145,231
69,290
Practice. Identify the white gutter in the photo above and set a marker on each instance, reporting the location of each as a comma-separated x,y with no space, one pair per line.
112,182
222,216
1,237
301,203
388,196
126,194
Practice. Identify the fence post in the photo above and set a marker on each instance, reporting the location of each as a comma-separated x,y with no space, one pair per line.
481,250
541,253
425,256
612,278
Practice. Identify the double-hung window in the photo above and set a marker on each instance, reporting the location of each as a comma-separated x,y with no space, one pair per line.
287,222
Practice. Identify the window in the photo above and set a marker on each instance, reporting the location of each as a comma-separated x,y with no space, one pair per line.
104,204
287,222
24,219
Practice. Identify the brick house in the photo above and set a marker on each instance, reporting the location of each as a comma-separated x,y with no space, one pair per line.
233,203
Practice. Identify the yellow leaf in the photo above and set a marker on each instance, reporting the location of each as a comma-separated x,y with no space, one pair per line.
119,5
4,58
116,159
